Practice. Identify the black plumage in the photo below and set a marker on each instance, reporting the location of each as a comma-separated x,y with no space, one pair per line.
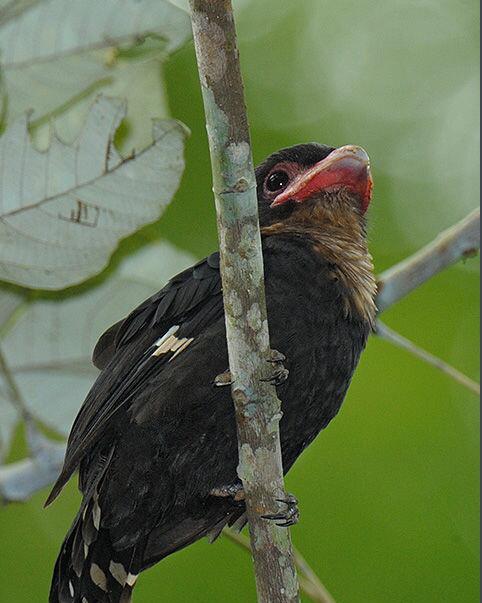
155,440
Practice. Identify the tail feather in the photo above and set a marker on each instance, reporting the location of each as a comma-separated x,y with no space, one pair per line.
89,569
94,573
96,566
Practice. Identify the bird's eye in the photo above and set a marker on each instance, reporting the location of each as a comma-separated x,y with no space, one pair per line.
276,181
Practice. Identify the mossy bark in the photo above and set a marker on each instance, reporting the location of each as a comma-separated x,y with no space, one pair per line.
258,409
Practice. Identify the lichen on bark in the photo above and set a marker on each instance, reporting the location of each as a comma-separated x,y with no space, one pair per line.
258,409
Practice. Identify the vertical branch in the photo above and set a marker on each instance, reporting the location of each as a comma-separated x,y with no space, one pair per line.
257,406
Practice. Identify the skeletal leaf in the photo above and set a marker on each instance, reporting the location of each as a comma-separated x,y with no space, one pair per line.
10,301
48,350
141,84
8,420
63,211
51,51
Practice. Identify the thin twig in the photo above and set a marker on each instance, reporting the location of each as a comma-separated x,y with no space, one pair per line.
460,241
20,480
310,584
256,403
16,397
11,320
317,590
402,342
38,444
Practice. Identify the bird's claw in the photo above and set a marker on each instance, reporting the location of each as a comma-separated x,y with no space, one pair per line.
234,492
290,516
276,357
280,373
224,379
279,376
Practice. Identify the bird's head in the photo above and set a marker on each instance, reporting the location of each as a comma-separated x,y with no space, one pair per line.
294,182
321,194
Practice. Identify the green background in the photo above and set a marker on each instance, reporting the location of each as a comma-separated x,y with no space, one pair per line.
389,493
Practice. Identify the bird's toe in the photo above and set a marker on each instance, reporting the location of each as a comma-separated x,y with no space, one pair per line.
224,379
287,517
279,373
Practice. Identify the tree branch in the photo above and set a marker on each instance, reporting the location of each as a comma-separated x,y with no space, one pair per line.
15,395
310,584
402,342
20,480
460,241
256,404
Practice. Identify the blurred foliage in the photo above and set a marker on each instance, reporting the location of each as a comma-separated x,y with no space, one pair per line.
389,493
65,209
55,44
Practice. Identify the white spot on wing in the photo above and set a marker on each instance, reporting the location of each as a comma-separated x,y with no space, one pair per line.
131,579
183,343
177,344
96,515
118,572
98,577
172,331
71,589
170,343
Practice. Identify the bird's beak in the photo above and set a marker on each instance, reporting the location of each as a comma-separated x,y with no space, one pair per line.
346,167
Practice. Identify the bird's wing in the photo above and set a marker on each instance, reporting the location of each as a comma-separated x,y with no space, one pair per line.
134,349
179,297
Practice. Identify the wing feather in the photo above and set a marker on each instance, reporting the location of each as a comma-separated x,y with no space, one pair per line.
191,300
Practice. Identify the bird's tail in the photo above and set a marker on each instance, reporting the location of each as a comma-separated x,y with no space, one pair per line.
88,568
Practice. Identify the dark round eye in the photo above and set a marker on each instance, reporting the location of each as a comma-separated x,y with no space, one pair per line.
276,181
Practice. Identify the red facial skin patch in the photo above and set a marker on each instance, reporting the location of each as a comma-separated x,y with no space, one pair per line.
346,167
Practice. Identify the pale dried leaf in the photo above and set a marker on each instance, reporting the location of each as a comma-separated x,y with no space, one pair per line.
9,418
141,84
10,301
63,211
49,348
48,48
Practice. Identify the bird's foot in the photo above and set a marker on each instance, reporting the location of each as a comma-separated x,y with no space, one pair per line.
280,373
277,377
224,379
288,516
233,491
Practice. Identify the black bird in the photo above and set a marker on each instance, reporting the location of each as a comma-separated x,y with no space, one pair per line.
155,440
